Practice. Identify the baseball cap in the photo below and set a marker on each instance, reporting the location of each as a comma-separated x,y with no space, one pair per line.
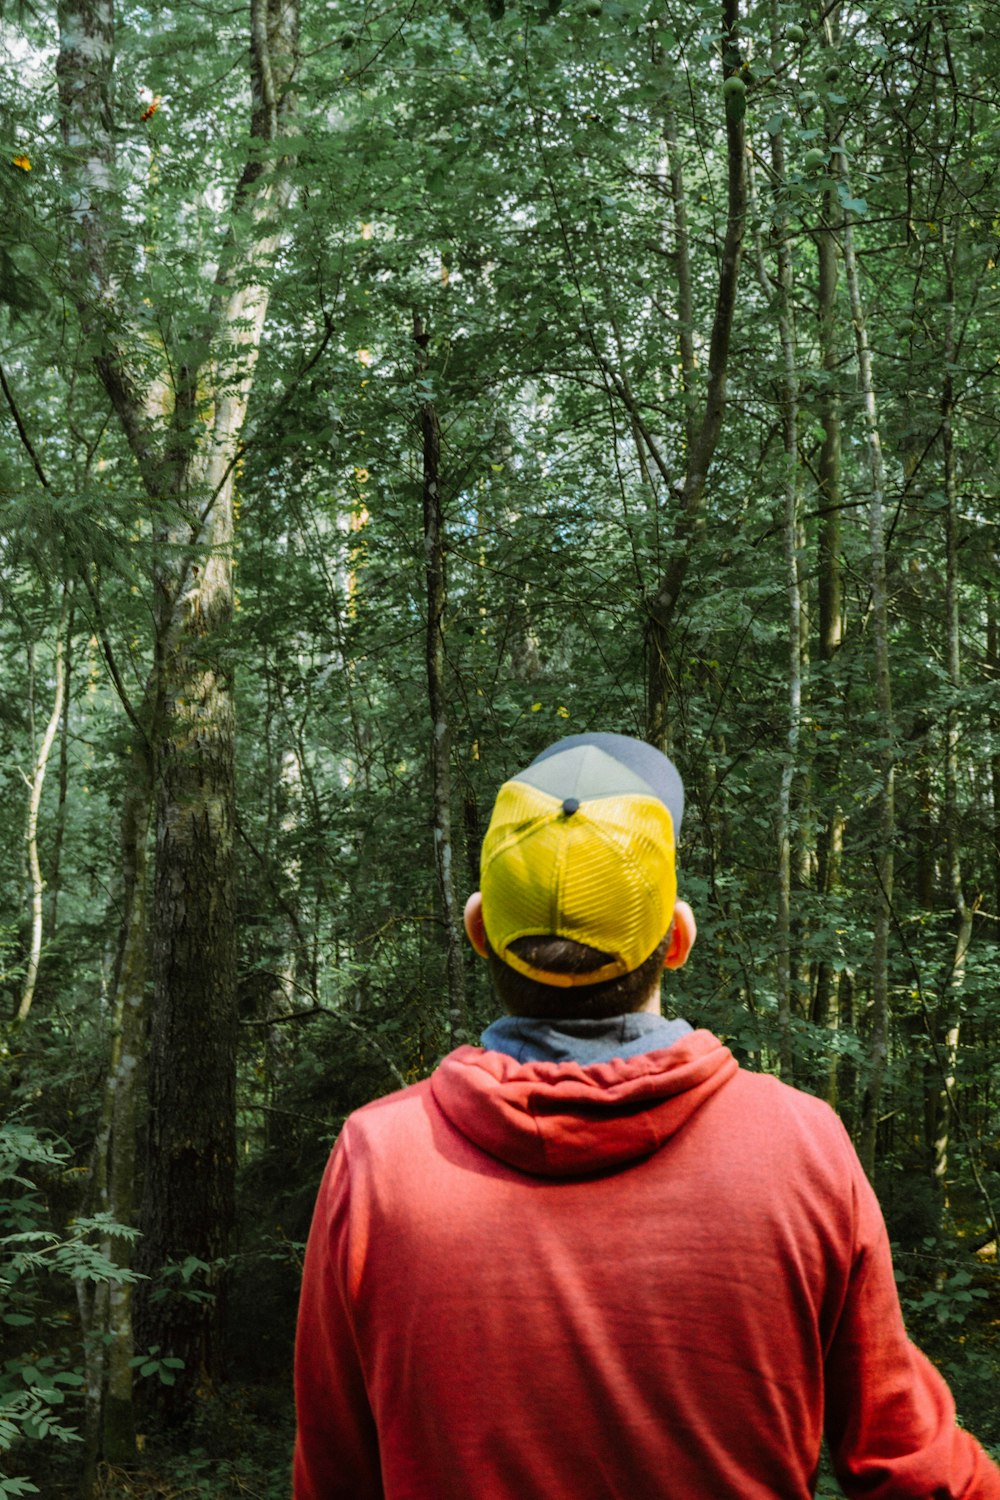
582,845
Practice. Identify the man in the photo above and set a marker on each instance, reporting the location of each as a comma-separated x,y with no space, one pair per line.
594,1259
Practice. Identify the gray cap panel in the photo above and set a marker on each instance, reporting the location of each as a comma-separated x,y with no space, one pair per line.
583,772
625,764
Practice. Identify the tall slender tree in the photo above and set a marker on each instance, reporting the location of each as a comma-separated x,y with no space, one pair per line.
663,602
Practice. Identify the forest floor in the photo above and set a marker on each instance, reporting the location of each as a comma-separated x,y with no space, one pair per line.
238,1447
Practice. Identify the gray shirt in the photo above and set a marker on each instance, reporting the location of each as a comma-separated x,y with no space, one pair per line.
528,1039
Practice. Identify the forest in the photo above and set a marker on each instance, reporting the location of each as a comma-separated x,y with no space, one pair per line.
389,389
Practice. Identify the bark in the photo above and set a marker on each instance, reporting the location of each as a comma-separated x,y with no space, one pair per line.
993,676
789,409
280,997
685,281
125,1082
925,819
92,1305
662,604
830,843
846,1076
189,1202
434,562
830,586
106,1309
788,403
951,1019
36,783
60,830
885,754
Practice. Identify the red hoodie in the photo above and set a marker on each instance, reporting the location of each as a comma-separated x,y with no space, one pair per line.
659,1276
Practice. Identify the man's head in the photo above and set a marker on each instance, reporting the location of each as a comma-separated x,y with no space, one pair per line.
578,911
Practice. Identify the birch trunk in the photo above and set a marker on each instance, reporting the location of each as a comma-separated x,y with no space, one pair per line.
55,870
36,783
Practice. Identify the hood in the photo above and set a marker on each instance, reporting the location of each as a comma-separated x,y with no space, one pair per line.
569,1120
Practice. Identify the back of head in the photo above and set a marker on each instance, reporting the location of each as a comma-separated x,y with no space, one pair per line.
578,877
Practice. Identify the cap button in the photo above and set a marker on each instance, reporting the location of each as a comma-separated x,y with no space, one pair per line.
570,805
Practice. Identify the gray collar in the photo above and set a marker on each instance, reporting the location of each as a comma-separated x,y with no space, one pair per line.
582,1041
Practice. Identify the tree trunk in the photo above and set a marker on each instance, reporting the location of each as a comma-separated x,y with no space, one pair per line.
35,785
993,676
125,1081
662,605
951,1019
189,1205
788,403
830,843
55,871
685,281
434,555
280,996
885,754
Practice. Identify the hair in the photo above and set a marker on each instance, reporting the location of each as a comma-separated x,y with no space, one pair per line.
522,996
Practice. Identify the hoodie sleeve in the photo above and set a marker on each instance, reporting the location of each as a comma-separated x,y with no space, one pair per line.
890,1417
336,1445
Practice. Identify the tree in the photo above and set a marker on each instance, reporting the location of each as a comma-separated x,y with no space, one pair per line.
180,393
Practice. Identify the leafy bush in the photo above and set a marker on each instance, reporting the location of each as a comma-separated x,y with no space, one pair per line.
35,1382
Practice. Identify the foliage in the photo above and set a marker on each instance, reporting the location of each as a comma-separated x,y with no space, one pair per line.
36,1260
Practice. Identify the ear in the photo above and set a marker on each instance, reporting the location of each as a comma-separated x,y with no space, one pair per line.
683,931
475,929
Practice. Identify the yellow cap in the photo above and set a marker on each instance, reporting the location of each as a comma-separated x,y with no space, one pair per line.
582,846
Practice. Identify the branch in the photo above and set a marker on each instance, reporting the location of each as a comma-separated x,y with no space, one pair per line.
22,430
81,565
624,390
109,657
336,1015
